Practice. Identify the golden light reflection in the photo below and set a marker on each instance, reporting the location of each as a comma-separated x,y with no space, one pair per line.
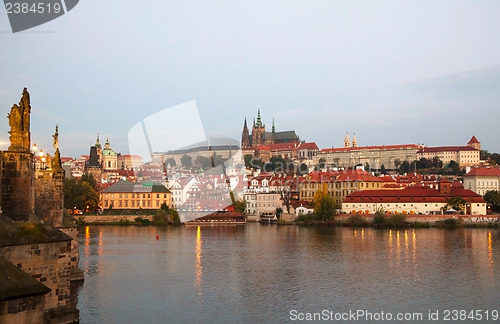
490,252
414,246
390,245
198,266
87,241
398,248
99,243
362,233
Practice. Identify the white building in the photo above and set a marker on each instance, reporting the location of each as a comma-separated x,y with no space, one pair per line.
482,180
180,189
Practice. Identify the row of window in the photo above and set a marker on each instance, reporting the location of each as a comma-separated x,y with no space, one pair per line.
339,185
133,195
132,203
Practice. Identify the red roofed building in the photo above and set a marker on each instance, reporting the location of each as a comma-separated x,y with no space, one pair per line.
465,156
375,156
412,200
338,184
482,180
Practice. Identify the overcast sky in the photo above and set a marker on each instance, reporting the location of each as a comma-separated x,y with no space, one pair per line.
393,72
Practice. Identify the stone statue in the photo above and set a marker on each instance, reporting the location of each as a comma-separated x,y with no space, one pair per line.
15,120
19,122
56,138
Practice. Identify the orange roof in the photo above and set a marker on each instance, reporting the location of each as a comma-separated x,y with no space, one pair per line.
491,172
446,149
473,140
411,194
383,147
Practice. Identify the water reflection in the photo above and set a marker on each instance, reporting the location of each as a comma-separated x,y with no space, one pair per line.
490,253
198,266
256,274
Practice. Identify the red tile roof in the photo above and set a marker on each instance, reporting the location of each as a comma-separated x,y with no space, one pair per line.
473,140
383,148
308,146
411,194
446,149
491,172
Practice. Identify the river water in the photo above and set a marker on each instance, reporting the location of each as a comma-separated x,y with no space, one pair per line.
278,274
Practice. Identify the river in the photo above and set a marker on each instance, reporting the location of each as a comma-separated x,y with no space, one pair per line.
278,274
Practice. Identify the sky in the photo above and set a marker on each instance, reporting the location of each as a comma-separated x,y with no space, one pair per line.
392,72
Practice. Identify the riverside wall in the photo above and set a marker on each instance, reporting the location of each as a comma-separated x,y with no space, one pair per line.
431,219
103,219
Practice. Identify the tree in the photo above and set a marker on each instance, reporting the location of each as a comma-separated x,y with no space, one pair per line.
405,167
321,164
89,178
203,162
240,206
454,167
492,197
324,205
186,161
383,169
367,166
397,163
457,203
248,160
170,161
80,194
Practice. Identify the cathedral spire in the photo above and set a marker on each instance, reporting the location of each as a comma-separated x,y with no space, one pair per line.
354,141
347,141
259,121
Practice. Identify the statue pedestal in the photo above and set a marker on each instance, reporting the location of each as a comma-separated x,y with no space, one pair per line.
16,141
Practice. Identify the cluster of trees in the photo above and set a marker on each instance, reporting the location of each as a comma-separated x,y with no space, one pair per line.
492,158
493,198
166,216
434,165
200,161
81,194
276,164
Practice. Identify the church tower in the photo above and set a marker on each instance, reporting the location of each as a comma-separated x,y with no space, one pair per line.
347,141
354,141
258,131
245,136
474,143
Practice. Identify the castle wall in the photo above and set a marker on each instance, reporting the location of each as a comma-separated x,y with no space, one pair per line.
28,310
48,263
17,195
49,196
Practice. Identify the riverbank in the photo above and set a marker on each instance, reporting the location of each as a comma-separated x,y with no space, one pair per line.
355,220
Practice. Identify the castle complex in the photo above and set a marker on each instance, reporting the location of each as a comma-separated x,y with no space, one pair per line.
259,136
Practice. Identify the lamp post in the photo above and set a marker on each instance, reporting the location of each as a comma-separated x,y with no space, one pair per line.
34,148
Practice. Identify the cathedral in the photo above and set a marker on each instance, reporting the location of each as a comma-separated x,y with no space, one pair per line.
259,136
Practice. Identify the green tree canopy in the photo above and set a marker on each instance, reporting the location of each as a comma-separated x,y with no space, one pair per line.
324,205
171,161
240,206
457,203
492,197
80,194
186,161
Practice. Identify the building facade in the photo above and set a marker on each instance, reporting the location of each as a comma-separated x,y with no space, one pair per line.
134,196
482,180
338,184
466,156
374,156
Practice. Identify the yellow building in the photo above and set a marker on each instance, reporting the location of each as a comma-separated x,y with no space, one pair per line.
131,195
339,184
